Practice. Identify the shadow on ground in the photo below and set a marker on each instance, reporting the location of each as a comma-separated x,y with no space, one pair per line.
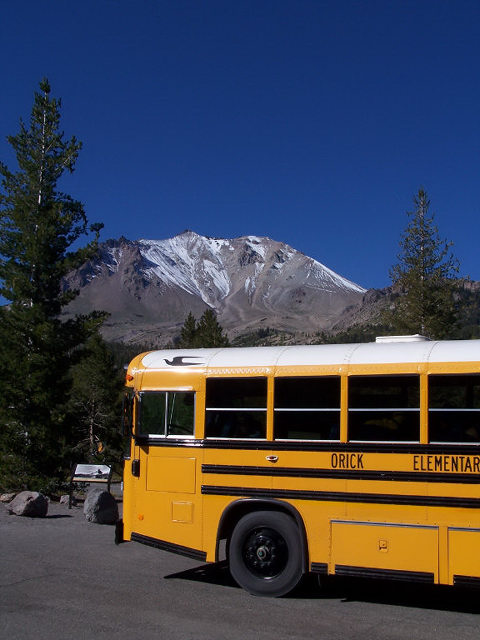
435,597
215,573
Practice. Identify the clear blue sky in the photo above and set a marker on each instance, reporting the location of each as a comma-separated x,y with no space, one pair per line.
312,122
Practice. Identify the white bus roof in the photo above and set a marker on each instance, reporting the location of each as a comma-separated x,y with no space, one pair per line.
384,352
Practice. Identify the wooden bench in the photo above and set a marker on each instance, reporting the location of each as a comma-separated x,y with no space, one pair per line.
89,473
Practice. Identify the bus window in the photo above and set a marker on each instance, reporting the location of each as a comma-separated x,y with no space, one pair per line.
236,408
180,413
166,413
307,408
454,408
384,408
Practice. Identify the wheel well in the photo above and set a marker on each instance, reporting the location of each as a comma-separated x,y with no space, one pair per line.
236,510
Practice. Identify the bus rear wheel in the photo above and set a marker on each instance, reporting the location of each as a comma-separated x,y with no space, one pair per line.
265,553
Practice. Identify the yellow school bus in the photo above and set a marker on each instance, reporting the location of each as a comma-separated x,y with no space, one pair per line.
350,460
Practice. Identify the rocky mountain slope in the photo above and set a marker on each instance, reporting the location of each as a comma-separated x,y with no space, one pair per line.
149,286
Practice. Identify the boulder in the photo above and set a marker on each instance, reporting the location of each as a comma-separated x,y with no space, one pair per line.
100,507
29,503
7,497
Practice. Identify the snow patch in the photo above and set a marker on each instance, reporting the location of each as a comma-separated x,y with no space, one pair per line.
203,266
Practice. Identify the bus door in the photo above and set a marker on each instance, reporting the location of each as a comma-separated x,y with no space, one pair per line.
167,508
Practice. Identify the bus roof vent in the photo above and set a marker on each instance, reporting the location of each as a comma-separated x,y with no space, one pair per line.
415,338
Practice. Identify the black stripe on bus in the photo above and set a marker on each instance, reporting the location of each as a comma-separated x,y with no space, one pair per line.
319,567
386,574
348,474
331,446
169,546
466,581
343,496
344,447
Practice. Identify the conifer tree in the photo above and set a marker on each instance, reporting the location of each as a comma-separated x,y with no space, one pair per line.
188,333
210,332
38,226
207,332
95,404
424,279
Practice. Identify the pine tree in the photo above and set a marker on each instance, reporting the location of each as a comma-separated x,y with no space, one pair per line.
38,226
95,404
188,333
210,332
424,279
207,332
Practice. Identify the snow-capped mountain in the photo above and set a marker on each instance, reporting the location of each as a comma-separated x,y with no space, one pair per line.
149,286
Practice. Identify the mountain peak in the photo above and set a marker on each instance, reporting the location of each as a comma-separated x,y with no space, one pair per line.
186,232
250,281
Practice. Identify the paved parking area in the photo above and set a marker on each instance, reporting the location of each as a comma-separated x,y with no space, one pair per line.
63,577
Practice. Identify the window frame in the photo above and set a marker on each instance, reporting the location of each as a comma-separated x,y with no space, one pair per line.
337,377
237,410
417,410
165,435
464,410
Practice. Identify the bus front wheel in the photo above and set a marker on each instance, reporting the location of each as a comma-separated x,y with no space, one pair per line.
265,553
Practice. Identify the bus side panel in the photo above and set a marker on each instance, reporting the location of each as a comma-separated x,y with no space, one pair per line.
214,508
316,517
459,551
387,550
463,556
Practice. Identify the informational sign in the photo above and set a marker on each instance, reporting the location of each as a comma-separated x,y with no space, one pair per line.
91,472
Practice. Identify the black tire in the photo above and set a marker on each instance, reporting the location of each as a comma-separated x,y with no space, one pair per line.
265,553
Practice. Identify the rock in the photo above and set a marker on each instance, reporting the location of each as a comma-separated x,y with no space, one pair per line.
29,503
7,497
100,507
66,500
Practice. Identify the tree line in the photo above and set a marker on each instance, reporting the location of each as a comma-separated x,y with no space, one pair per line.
62,384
